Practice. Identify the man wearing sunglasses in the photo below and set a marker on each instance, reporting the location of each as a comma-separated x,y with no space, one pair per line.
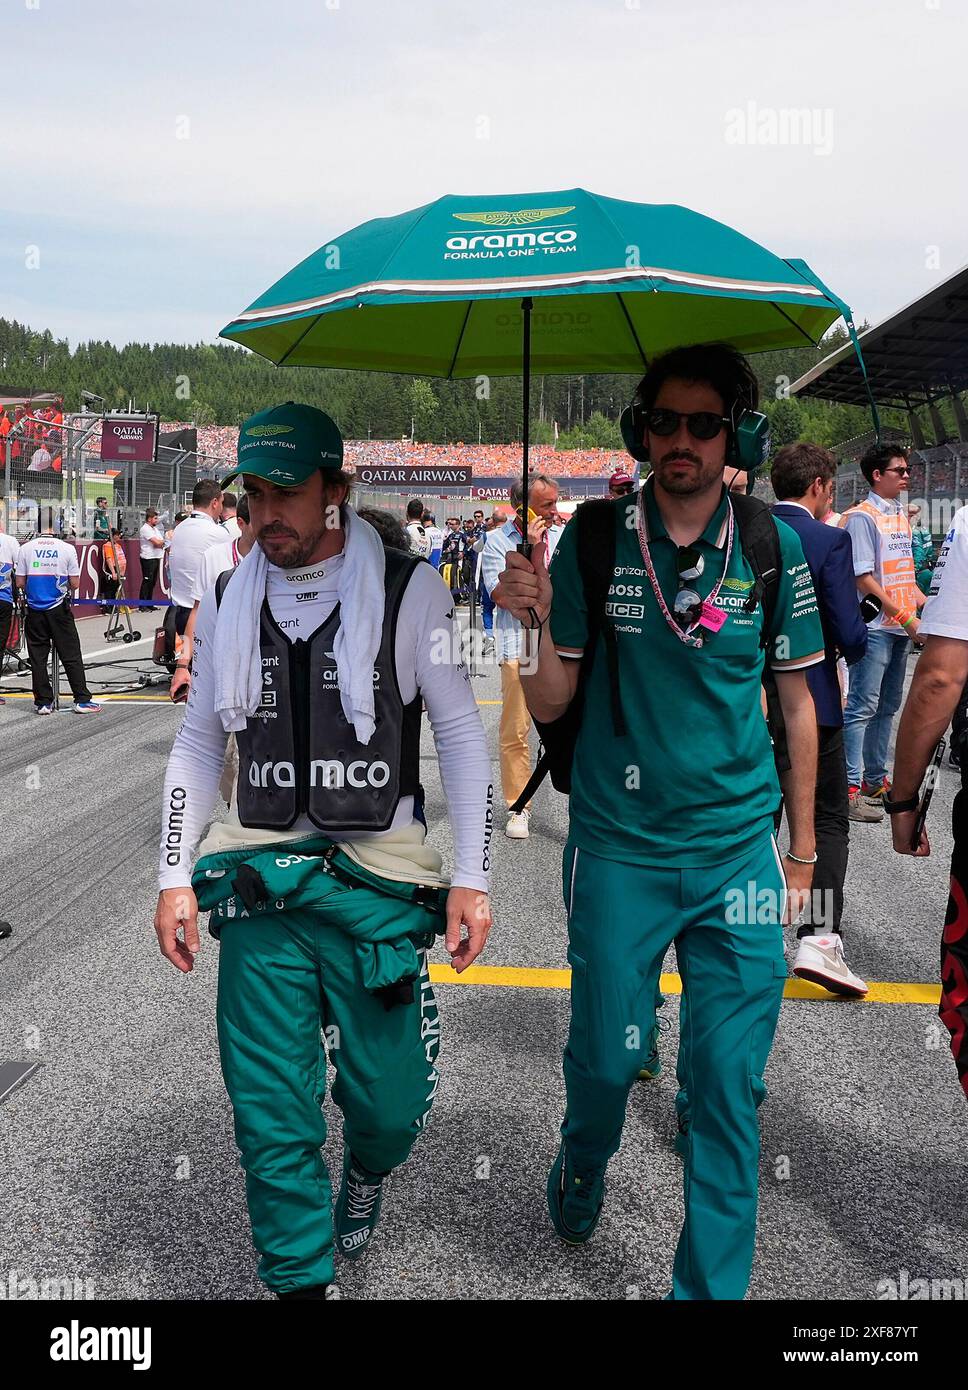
671,823
880,534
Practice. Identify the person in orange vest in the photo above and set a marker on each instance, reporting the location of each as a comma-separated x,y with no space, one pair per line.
114,566
880,534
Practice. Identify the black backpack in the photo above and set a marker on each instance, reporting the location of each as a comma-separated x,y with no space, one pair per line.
595,521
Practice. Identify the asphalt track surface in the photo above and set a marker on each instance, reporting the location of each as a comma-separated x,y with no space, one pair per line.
119,1162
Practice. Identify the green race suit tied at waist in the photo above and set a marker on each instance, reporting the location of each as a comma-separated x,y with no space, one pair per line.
390,920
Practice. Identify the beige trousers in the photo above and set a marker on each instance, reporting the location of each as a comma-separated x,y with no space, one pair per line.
513,735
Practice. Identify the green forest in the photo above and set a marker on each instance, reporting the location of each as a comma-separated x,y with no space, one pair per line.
221,384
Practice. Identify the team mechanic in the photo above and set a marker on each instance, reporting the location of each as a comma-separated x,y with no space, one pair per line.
318,652
671,825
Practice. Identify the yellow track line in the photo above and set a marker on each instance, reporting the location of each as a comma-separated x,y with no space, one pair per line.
128,697
524,977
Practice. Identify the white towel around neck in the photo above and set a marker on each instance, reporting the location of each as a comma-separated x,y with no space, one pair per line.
362,595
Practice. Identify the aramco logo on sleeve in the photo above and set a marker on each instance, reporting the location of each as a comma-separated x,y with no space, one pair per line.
489,245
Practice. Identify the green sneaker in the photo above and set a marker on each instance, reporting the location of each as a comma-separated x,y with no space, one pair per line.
651,1067
357,1207
575,1199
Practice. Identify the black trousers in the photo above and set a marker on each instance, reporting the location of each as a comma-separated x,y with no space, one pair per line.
953,1010
54,626
6,618
149,578
109,587
832,827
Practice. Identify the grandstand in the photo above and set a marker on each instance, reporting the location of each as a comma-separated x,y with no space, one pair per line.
917,361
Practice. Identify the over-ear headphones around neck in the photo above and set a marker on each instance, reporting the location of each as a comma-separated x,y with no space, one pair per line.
746,449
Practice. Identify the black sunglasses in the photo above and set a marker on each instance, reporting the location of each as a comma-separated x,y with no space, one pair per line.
702,424
688,604
904,472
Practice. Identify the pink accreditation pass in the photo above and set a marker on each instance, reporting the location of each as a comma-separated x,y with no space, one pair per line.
712,617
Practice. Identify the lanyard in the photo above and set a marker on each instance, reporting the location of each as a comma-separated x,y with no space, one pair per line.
689,637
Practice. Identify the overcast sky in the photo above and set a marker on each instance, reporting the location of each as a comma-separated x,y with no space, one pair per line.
306,117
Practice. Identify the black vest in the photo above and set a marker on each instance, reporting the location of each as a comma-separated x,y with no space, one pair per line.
299,755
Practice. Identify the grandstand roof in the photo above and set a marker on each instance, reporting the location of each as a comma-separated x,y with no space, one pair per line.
917,356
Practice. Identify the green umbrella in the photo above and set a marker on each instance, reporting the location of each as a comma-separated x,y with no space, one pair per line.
564,282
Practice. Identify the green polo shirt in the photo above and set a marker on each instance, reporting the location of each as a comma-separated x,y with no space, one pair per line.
693,781
102,526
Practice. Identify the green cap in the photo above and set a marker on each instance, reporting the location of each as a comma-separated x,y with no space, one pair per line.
287,443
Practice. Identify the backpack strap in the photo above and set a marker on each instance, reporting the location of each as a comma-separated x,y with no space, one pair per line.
596,521
220,583
760,543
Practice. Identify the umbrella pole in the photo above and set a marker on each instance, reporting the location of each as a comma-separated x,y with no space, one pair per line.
526,306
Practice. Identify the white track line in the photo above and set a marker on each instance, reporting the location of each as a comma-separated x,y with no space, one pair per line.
120,647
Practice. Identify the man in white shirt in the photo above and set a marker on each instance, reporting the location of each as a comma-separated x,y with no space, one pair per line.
151,547
198,533
230,522
515,719
416,531
48,572
213,563
939,679
314,799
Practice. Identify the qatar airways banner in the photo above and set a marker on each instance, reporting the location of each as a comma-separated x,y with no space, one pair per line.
413,475
129,439
499,489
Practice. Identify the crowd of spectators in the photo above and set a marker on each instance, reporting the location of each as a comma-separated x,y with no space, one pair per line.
217,443
36,436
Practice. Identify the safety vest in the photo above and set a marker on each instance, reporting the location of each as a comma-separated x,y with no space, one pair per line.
299,755
895,557
120,560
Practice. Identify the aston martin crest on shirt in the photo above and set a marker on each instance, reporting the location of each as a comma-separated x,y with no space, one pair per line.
522,218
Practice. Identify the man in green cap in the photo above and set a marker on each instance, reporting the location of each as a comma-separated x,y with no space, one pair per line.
318,653
671,820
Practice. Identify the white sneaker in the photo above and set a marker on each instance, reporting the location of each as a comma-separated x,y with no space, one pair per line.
821,959
43,709
517,826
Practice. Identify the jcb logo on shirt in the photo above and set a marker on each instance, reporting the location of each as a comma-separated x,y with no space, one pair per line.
625,610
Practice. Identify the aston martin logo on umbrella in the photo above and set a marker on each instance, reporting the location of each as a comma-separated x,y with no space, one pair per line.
512,219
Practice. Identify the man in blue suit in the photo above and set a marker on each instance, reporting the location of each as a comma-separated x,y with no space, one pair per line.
803,480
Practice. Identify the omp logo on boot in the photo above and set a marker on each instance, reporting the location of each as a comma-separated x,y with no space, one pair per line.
266,431
330,773
522,218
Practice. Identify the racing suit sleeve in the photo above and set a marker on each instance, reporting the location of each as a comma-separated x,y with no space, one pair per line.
195,764
427,628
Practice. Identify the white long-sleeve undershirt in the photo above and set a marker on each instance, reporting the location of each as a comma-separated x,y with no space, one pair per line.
428,660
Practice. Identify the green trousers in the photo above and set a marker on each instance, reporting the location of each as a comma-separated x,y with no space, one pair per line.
726,924
290,987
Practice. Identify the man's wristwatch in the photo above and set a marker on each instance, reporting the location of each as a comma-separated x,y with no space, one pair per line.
898,808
